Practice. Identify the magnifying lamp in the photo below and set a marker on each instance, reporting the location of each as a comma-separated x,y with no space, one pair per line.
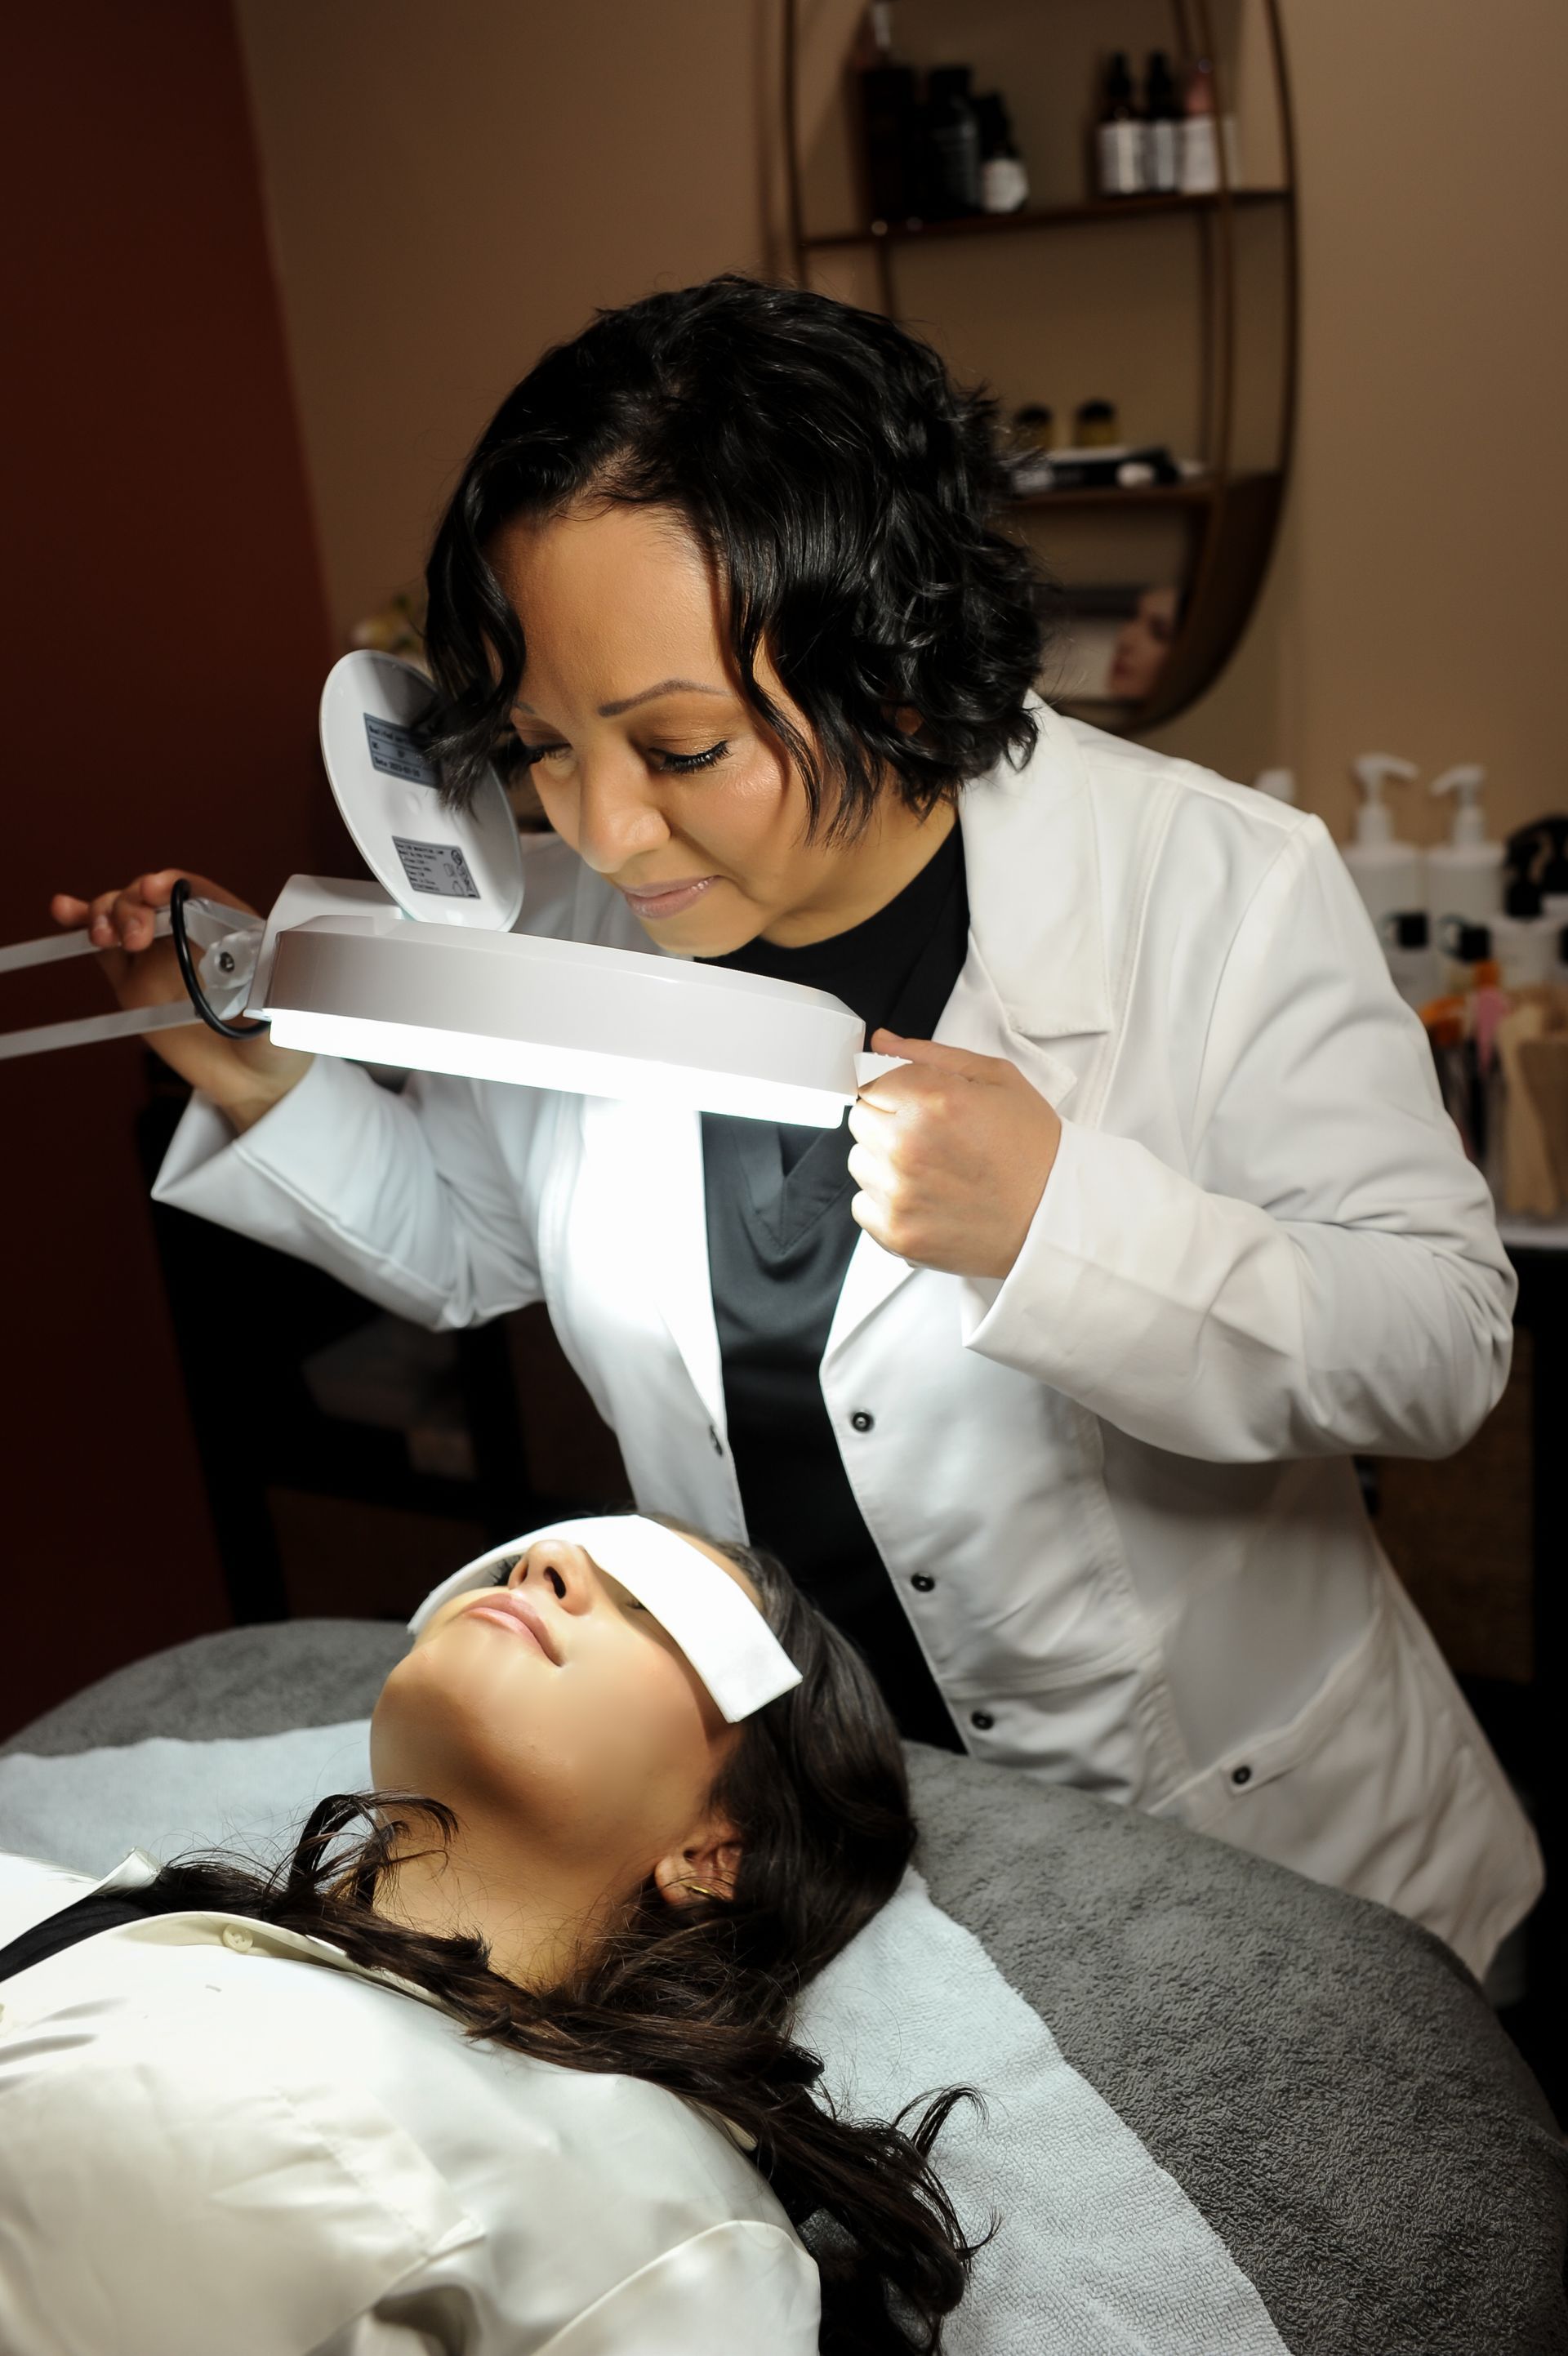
422,969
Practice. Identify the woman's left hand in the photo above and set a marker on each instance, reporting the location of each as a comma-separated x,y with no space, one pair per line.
950,1155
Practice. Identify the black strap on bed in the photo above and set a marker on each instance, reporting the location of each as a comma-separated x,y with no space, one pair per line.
101,1910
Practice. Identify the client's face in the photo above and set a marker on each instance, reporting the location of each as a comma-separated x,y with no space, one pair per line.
554,1702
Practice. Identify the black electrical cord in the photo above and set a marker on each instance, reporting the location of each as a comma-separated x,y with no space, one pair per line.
197,996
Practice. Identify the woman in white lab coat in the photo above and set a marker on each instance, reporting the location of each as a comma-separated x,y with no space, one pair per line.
511,2072
1048,1384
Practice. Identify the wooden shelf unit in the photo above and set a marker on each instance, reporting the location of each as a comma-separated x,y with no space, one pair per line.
1232,510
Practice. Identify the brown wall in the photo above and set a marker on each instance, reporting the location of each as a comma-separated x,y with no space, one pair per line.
452,189
166,639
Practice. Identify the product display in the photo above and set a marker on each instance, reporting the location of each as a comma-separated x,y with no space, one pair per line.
952,143
1406,937
1161,127
1003,182
1386,872
1095,425
1119,135
1200,133
1123,466
1465,876
890,127
1540,851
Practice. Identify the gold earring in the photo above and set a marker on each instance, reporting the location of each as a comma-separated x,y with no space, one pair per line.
701,1890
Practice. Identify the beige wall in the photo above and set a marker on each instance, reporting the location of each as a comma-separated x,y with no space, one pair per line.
452,188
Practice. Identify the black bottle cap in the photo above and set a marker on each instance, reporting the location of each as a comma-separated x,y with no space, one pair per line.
1034,413
1469,943
1118,80
1095,412
1523,897
1159,82
1408,928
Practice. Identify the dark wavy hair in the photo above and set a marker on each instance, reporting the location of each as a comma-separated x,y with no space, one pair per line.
700,1998
841,487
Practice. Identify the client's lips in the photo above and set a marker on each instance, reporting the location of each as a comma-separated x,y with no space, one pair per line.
657,900
514,1611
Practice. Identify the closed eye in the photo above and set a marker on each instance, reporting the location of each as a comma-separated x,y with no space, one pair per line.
680,765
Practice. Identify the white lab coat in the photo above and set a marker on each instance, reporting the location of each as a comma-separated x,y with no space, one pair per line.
218,2138
1124,1474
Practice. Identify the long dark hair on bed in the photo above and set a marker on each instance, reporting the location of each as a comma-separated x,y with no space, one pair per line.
699,1998
842,487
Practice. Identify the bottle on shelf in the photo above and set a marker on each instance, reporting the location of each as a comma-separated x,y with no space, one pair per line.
1095,425
1464,953
1551,836
1200,133
889,114
1162,126
1465,874
1003,182
1119,135
1406,937
952,143
1525,938
1386,872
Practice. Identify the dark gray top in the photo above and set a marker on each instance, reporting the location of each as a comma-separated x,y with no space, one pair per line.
779,1240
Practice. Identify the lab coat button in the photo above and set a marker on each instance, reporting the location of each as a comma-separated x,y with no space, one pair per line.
923,1582
860,1420
982,1720
240,1941
1240,1774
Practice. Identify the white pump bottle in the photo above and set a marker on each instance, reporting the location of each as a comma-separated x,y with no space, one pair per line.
1386,873
1465,876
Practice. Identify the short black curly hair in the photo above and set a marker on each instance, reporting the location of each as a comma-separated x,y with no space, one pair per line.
842,486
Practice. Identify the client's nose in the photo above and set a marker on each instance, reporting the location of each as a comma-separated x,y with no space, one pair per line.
555,1570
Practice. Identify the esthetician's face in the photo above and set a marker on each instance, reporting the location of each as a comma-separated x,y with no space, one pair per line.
555,1703
647,759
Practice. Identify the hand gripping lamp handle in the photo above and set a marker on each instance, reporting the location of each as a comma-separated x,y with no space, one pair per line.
227,937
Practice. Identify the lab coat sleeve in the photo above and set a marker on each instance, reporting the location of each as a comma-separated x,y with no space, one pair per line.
1324,1277
406,1198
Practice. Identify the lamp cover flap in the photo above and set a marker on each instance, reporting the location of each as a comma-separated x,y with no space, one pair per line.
443,866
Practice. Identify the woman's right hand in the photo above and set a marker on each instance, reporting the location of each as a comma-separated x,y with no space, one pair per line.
244,1076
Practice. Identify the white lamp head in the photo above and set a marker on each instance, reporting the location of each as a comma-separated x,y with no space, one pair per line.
343,972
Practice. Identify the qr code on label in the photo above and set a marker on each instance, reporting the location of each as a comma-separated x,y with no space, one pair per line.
437,868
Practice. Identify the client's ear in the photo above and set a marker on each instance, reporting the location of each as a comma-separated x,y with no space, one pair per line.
706,1865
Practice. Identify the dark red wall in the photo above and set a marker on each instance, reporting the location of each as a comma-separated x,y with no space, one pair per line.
165,640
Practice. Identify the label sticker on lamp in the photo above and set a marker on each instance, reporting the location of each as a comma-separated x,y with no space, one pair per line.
396,752
437,868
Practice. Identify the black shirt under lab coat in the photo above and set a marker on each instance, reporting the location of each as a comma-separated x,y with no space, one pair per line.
780,1241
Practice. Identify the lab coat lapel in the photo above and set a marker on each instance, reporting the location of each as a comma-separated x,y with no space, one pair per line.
1036,968
648,1175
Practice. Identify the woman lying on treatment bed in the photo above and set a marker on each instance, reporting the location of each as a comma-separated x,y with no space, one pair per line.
508,2066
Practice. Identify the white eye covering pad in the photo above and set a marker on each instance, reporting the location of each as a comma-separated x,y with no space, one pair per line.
713,1620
